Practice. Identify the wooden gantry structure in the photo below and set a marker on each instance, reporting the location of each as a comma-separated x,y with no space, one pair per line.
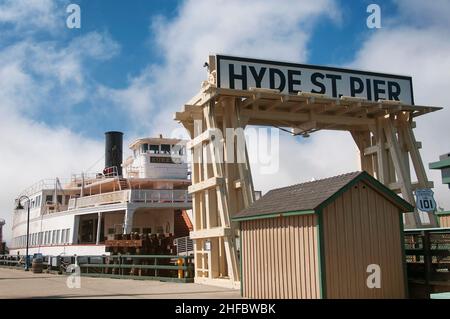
382,131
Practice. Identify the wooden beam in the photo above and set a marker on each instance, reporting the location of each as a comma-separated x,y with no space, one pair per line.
200,139
283,100
303,117
394,148
207,184
396,187
210,233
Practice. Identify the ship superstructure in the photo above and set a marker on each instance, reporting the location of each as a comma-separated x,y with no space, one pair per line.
146,194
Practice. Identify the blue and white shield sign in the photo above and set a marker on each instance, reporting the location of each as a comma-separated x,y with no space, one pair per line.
425,200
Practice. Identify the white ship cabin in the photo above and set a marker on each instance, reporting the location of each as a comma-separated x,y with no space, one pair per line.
77,215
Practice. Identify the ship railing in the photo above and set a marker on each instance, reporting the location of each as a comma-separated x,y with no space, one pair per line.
99,199
160,196
133,195
43,184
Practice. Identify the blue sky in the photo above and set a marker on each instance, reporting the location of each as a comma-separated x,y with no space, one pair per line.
128,24
134,63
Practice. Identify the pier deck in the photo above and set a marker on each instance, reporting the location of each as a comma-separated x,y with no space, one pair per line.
21,284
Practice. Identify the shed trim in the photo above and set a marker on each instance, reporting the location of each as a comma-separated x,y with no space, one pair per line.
274,215
443,213
321,256
241,255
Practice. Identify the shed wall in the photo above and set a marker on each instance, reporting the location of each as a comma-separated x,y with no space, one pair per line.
444,220
360,228
280,257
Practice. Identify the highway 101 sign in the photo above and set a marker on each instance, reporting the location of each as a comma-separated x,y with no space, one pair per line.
425,200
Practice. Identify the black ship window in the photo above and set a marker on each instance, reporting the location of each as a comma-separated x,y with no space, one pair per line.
154,149
49,199
146,230
165,148
59,198
144,148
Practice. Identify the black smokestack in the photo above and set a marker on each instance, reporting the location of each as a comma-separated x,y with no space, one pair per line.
113,150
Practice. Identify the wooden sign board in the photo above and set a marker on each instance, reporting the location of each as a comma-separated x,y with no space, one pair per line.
290,78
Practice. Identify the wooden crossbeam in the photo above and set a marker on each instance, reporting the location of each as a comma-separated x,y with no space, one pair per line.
210,233
396,186
209,183
200,139
283,101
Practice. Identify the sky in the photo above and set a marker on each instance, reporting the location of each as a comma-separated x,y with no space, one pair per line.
133,63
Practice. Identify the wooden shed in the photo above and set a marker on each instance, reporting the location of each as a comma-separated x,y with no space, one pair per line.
317,239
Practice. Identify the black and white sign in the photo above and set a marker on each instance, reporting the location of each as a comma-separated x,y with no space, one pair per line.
290,78
425,200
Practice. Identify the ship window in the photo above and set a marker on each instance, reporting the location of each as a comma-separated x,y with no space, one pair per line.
49,199
110,231
67,235
53,237
59,198
144,148
147,230
154,149
63,236
135,230
58,238
165,148
67,199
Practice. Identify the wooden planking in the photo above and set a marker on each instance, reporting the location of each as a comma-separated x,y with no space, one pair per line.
280,258
372,236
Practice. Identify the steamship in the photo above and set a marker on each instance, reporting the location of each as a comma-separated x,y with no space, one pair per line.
145,194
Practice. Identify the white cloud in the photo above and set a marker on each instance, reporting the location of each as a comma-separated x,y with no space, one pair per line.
30,16
421,51
43,77
33,151
277,30
424,13
266,29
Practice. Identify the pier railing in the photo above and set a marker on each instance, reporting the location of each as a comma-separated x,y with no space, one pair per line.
12,261
157,267
147,267
428,261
